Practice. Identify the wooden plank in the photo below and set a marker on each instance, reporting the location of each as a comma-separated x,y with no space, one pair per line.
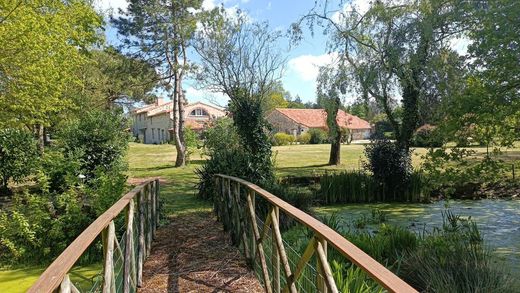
275,256
265,228
54,274
153,209
374,269
320,276
283,255
325,268
141,247
148,221
252,214
157,200
129,247
65,286
108,268
307,254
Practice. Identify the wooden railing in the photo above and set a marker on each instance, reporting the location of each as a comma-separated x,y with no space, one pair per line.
140,226
235,207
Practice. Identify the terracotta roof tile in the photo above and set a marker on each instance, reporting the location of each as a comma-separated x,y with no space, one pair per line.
317,118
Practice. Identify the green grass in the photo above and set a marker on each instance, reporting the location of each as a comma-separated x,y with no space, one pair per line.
178,189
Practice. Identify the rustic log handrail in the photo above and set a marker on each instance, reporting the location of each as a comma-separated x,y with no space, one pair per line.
226,207
147,197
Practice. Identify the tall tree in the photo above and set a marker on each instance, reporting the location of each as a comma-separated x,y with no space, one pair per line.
42,45
160,31
330,83
389,48
240,58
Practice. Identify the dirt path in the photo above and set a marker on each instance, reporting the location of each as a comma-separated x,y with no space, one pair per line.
193,254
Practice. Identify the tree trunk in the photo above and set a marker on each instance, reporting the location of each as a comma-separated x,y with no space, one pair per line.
335,150
178,110
40,136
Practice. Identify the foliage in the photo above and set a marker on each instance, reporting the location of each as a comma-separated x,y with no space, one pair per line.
304,138
427,137
99,138
161,33
222,135
282,138
318,136
390,166
276,98
42,48
192,142
453,172
18,156
358,186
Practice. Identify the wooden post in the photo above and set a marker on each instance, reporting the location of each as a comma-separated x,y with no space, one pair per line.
251,196
267,281
283,255
65,285
148,220
154,209
142,245
157,201
108,244
129,247
320,281
275,257
323,263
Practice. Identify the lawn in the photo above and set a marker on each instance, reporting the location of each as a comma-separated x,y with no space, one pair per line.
178,186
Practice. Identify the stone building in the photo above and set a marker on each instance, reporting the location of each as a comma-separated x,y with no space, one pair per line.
298,121
153,124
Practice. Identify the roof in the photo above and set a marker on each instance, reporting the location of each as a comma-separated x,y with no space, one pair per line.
167,107
317,118
192,124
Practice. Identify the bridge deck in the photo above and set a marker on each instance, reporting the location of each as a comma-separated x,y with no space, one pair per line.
193,254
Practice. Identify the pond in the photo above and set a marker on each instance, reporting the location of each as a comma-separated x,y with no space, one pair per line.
498,220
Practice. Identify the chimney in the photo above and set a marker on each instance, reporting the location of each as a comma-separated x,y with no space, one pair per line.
159,101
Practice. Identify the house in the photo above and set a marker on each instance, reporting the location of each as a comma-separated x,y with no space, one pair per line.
153,124
298,121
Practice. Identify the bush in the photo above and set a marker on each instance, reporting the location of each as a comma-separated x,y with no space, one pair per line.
98,138
304,138
428,137
281,138
318,136
221,135
192,141
390,166
18,156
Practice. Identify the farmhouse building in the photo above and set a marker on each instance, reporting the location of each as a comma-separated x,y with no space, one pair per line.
298,121
153,124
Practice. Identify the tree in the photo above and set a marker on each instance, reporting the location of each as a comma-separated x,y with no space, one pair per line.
276,98
160,32
389,49
41,49
112,79
240,59
329,90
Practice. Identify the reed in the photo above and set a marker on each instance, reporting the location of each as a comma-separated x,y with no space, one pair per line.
360,187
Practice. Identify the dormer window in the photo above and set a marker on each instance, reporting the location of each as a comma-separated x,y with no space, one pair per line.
198,112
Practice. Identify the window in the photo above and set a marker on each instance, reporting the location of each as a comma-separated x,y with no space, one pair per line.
162,134
153,133
198,112
139,117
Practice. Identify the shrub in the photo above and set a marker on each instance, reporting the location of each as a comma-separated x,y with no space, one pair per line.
304,138
427,137
18,156
222,135
281,138
318,136
192,141
99,139
390,166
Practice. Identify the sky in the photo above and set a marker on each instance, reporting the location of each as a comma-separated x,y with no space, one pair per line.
303,60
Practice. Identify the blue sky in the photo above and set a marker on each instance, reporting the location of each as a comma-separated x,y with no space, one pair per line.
299,76
303,60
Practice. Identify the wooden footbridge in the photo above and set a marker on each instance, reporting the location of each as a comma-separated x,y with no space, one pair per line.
253,228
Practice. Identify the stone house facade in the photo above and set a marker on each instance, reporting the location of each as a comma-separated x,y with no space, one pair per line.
153,124
299,121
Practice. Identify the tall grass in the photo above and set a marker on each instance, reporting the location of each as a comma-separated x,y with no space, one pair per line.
360,187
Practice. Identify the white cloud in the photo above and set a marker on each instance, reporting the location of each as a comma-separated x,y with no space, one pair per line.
460,45
208,4
361,6
110,6
307,66
194,95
